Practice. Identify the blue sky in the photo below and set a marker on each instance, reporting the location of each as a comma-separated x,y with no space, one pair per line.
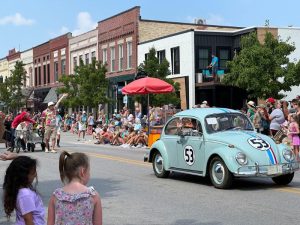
27,23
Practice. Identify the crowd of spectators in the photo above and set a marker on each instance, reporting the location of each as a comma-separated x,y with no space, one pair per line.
279,119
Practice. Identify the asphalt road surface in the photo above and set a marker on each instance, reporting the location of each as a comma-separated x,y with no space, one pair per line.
131,194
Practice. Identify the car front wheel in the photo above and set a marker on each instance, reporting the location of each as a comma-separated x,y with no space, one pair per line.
283,179
158,166
219,174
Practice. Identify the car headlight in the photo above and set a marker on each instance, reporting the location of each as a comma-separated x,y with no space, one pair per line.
241,158
288,155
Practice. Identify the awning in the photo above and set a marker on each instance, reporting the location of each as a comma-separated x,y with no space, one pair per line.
122,78
26,92
51,96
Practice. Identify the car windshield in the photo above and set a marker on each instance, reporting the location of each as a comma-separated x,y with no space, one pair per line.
227,121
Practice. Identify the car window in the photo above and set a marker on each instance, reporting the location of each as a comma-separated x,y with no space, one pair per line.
173,126
227,121
191,127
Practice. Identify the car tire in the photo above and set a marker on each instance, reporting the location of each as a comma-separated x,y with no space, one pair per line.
219,174
158,166
283,179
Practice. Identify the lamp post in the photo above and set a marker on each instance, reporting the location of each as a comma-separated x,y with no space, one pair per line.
115,88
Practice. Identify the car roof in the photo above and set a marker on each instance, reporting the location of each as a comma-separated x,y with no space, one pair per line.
203,112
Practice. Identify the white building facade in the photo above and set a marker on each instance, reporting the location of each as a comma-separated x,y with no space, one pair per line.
178,49
85,47
292,36
27,59
4,68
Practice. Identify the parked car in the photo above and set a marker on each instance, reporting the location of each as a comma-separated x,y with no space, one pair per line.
222,144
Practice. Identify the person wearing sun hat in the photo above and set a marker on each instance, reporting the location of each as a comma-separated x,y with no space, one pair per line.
49,123
261,120
251,110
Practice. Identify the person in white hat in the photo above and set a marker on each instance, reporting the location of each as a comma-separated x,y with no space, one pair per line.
204,104
251,110
49,123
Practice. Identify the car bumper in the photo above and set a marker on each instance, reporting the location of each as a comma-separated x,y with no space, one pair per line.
268,171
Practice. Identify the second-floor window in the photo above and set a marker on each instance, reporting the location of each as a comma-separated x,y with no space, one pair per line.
40,76
112,59
48,69
161,55
35,77
63,66
93,55
129,55
56,71
121,57
224,56
75,61
175,60
87,58
203,58
45,75
104,56
80,59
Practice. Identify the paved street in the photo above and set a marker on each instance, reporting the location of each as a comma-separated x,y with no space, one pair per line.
131,194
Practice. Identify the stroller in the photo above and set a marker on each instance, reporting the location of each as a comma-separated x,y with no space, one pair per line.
27,137
35,136
21,137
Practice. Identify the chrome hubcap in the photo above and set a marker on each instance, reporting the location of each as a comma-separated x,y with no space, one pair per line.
158,163
218,172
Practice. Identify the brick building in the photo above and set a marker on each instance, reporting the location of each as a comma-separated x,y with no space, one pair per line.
117,40
50,60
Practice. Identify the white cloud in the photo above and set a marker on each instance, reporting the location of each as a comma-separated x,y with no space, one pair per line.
84,24
17,20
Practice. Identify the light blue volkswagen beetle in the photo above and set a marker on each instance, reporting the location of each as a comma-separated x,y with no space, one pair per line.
222,144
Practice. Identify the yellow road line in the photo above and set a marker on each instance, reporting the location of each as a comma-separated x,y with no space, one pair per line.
290,190
118,159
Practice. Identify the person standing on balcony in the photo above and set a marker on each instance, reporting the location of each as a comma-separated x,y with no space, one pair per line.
214,65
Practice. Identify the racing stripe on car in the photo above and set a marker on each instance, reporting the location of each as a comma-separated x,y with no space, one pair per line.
272,156
270,153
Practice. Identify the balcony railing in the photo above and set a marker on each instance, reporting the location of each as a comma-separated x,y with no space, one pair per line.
207,77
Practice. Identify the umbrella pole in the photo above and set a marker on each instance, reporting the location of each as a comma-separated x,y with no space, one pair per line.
148,116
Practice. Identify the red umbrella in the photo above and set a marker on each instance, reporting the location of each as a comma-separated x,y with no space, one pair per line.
147,85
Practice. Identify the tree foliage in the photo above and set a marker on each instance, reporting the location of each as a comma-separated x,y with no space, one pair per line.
263,69
87,86
160,70
11,89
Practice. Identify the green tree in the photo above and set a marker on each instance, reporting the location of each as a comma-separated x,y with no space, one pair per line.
263,69
160,70
87,87
11,89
